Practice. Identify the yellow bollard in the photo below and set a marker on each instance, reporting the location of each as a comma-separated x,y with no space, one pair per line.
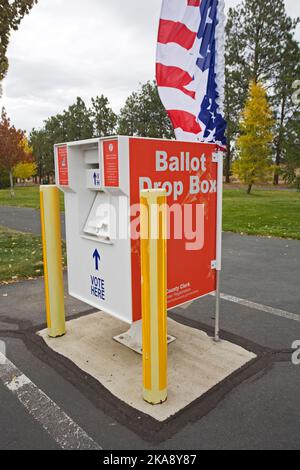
52,253
154,295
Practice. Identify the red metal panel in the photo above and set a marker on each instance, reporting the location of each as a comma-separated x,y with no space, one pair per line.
182,168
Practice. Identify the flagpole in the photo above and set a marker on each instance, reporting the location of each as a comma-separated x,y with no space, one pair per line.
218,299
219,243
220,78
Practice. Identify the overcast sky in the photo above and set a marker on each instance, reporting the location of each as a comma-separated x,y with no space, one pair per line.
70,48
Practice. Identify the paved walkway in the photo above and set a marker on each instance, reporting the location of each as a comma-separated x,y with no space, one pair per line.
260,304
23,219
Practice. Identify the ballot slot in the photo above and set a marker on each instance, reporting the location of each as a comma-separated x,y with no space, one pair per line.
91,157
99,223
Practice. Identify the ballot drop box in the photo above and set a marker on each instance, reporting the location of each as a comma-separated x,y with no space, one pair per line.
101,180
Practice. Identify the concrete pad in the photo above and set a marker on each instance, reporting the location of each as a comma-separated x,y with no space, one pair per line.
196,362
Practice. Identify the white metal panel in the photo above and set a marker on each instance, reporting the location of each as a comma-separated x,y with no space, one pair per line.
87,278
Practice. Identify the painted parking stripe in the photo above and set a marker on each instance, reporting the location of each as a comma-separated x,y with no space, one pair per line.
57,423
262,308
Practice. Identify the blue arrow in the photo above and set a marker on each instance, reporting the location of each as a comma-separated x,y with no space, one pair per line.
97,258
95,179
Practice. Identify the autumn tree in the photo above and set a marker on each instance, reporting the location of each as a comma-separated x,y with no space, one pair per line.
11,14
26,146
254,145
25,170
12,150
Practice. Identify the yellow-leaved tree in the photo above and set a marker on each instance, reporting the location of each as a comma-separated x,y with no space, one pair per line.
24,144
254,163
25,170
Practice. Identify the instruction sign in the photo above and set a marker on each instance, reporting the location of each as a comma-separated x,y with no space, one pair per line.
63,167
111,163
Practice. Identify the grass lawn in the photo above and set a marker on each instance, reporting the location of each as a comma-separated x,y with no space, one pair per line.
25,197
268,213
265,212
20,256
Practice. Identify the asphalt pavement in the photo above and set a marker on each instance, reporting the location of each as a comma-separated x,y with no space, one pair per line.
259,409
24,219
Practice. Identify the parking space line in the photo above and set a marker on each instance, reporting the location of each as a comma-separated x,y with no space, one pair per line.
263,308
57,423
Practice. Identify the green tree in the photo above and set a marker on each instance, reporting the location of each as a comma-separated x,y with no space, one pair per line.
264,30
236,85
4,179
286,107
56,129
291,152
42,149
54,132
103,117
144,115
257,34
11,14
254,145
76,122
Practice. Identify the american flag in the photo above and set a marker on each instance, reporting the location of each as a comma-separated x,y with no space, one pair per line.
190,68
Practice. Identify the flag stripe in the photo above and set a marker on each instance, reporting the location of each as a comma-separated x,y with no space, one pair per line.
178,11
185,136
171,31
175,99
184,120
176,56
173,77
